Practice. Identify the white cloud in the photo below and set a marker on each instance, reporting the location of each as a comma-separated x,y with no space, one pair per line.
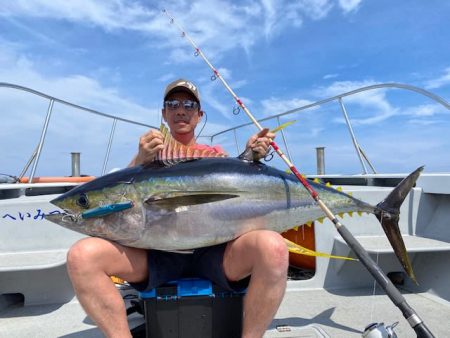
279,15
274,105
349,5
270,17
426,114
313,9
374,101
441,81
340,87
221,30
110,15
330,76
426,110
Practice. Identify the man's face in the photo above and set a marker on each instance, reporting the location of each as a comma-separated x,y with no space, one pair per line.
181,120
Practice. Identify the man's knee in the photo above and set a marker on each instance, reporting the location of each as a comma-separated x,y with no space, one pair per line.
272,247
83,254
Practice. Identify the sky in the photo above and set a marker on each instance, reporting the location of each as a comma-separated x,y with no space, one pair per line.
117,57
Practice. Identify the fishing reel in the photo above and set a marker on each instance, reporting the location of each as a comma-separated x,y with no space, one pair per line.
379,330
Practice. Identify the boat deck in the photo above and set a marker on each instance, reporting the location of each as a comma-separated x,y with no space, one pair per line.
303,313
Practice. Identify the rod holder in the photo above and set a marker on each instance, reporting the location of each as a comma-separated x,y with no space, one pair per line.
75,164
320,155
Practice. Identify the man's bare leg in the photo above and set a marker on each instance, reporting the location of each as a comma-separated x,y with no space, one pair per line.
90,263
264,255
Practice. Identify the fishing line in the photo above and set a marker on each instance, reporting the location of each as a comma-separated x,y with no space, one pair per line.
372,307
397,298
204,124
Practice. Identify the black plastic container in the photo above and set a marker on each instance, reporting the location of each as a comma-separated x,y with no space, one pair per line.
192,308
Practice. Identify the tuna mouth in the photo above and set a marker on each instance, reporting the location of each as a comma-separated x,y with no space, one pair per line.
63,218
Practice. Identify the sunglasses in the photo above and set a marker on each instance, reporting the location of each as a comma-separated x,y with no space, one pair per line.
187,104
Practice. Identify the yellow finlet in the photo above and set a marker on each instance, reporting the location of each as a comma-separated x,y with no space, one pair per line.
341,215
350,213
320,220
282,126
309,223
339,188
298,249
295,228
359,213
316,180
117,280
328,184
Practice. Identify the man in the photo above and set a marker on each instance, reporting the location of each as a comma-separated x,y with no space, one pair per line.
261,255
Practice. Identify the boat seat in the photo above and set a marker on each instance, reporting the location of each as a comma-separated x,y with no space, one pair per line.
381,245
32,260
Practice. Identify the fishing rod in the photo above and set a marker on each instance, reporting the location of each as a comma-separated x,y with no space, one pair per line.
397,298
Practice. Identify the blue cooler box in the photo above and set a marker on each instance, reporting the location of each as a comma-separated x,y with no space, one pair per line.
192,308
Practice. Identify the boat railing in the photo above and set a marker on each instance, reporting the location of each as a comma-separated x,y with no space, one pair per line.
34,160
339,99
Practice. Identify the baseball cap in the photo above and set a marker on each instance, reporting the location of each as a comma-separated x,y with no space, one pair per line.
182,85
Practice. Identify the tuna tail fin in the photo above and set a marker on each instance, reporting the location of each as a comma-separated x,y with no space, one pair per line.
388,212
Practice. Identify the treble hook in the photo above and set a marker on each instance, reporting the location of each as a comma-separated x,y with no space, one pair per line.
236,110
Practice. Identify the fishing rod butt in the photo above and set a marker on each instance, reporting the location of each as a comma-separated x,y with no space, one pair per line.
392,292
422,331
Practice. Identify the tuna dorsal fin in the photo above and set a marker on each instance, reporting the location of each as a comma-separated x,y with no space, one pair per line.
175,152
176,200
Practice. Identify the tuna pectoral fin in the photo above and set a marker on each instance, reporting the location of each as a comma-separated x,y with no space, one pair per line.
176,200
388,212
298,249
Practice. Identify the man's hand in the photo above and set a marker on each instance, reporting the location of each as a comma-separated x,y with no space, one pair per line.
260,143
149,145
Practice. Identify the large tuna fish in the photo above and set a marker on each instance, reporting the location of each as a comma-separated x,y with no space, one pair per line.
207,201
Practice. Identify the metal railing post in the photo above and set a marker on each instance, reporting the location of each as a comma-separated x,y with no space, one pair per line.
284,140
108,150
355,143
76,171
41,141
320,154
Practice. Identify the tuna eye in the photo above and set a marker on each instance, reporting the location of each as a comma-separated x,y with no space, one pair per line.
83,201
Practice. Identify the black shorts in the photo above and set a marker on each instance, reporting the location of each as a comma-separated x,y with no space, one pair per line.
206,263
